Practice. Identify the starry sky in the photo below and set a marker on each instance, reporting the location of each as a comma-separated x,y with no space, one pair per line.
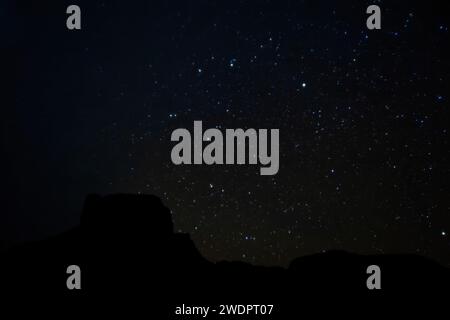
363,116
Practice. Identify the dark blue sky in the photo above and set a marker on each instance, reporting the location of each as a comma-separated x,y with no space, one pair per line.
363,118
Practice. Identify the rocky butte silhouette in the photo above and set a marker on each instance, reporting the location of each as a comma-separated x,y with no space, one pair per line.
131,260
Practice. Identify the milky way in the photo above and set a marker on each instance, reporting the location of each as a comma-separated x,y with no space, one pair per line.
363,118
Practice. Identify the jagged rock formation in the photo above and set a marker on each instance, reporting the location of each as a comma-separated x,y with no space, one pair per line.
131,258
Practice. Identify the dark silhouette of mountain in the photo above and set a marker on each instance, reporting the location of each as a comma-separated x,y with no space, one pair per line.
131,259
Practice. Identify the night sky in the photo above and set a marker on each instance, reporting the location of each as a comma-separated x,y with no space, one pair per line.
363,115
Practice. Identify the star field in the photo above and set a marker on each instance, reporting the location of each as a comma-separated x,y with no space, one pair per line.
363,118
